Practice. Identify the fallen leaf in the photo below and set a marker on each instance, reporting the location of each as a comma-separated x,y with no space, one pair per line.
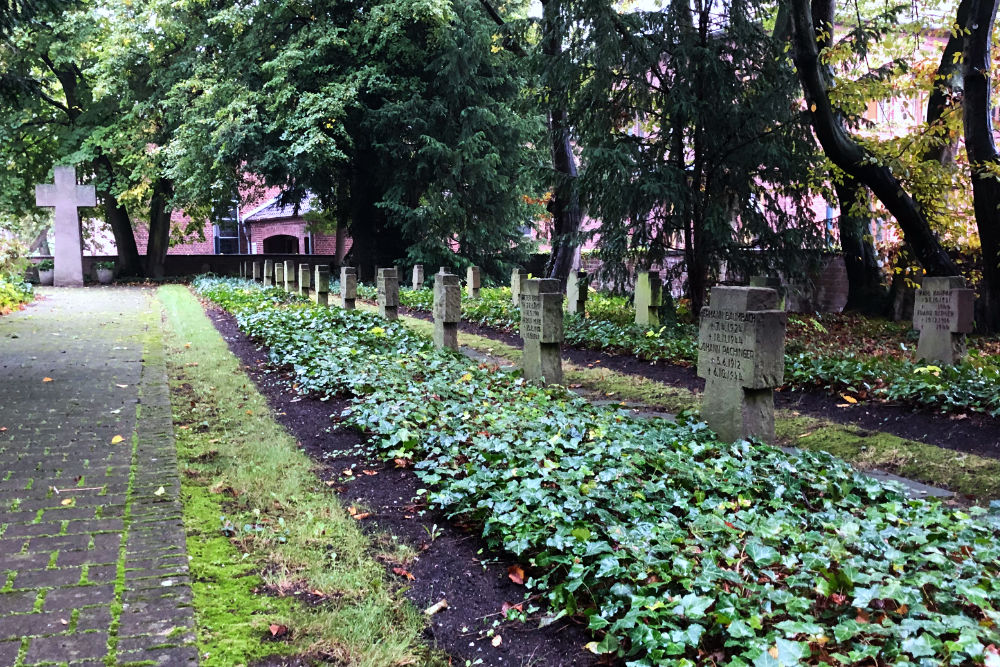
849,399
436,607
278,630
806,434
516,574
370,472
2,429
497,640
773,651
506,606
249,412
67,502
115,440
64,621
403,573
46,379
123,386
159,492
348,472
402,463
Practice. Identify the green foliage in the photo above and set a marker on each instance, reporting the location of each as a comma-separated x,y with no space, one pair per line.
13,293
46,265
671,544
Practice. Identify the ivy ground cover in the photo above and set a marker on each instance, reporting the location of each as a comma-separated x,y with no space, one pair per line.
675,548
862,359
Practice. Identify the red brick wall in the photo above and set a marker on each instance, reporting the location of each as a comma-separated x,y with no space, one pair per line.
192,245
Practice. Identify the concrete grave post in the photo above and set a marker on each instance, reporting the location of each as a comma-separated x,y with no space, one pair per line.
542,330
648,298
279,275
517,278
268,273
472,282
943,312
741,355
348,287
65,196
388,294
322,280
418,276
447,310
258,271
576,292
771,282
290,275
304,280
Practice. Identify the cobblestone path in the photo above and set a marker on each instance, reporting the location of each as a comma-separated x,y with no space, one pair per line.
93,568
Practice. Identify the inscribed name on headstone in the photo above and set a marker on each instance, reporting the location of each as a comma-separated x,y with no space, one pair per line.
322,281
517,278
279,275
447,309
348,287
648,298
542,330
418,276
268,273
304,282
65,196
258,271
472,282
290,276
741,356
576,292
388,293
943,312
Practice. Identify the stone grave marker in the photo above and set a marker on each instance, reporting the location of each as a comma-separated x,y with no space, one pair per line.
322,287
418,276
388,294
741,355
65,196
771,282
348,287
258,271
472,282
268,273
648,298
447,310
279,275
290,275
943,312
304,280
517,278
576,292
542,330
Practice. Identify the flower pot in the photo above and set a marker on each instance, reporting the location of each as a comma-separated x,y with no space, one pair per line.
45,277
104,276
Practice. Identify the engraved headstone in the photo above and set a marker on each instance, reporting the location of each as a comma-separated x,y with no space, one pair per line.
542,330
517,278
472,282
648,298
304,282
447,310
348,287
322,280
943,312
268,273
418,276
741,355
66,197
290,275
388,293
258,271
279,275
576,292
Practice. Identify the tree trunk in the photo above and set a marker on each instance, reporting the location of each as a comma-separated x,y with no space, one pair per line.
567,217
854,159
983,157
159,228
947,86
865,291
41,243
118,218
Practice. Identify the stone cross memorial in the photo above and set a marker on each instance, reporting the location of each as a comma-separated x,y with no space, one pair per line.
322,280
418,276
472,282
304,280
542,330
258,271
268,273
576,292
648,298
388,294
447,310
348,287
290,276
517,278
279,275
65,196
943,312
741,355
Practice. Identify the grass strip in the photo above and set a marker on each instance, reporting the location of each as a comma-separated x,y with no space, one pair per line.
263,531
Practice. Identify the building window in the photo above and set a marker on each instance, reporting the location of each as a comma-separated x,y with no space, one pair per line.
227,229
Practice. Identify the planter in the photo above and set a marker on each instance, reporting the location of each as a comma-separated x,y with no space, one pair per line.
46,277
104,276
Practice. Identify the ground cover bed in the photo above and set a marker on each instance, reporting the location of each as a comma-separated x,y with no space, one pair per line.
848,355
674,547
14,293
